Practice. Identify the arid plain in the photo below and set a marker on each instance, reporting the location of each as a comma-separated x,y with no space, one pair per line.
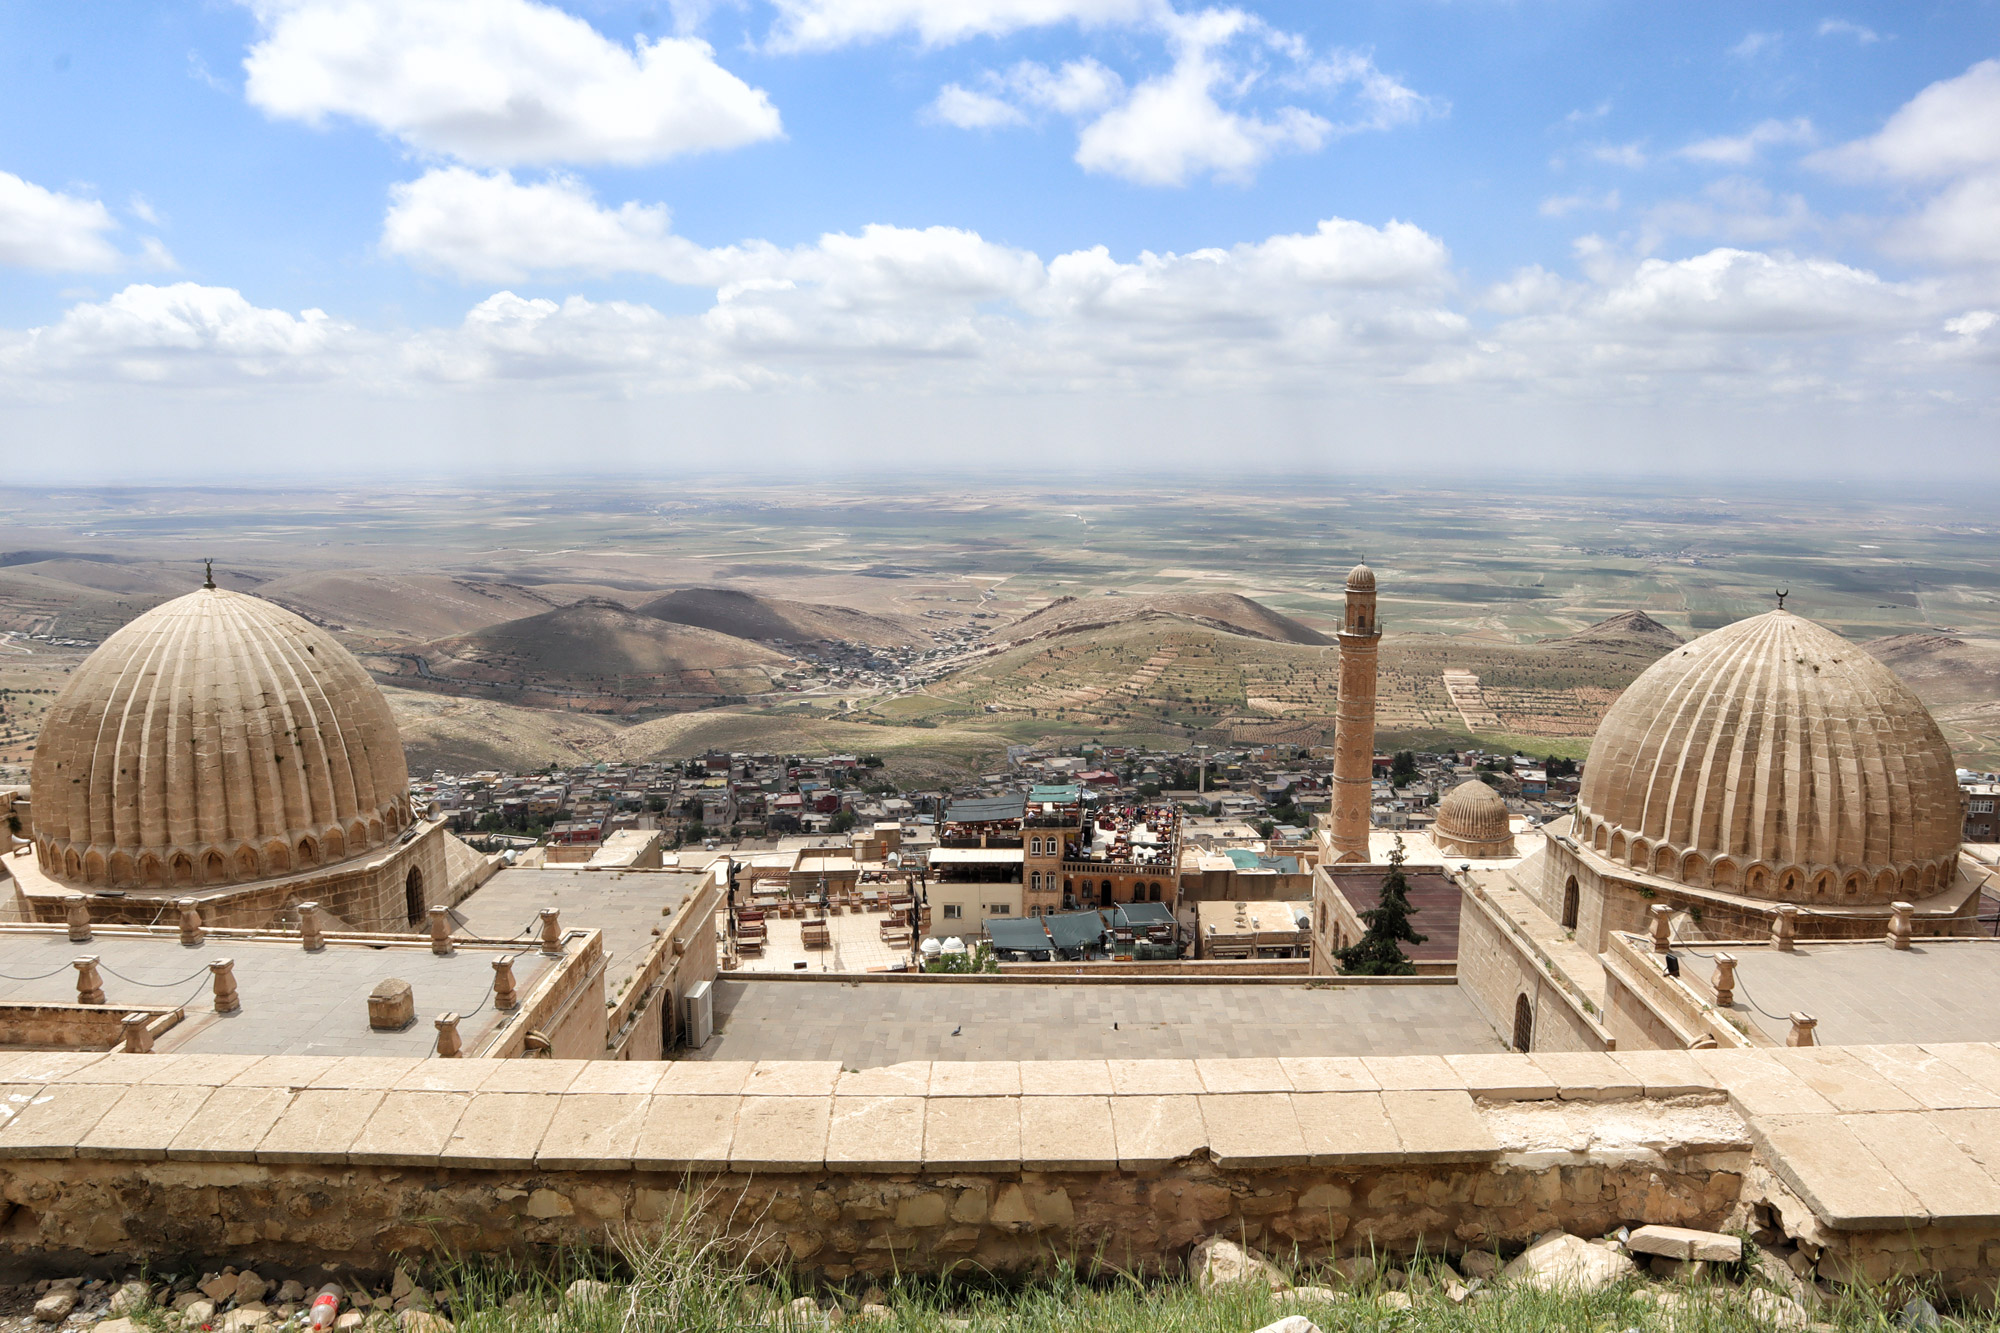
514,626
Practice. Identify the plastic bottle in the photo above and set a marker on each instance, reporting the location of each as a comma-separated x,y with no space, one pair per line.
325,1308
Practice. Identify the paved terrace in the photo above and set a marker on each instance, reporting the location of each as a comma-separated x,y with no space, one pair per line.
294,1002
627,906
1862,991
871,1023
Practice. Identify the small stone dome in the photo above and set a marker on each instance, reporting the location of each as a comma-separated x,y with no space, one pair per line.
214,740
1776,759
1361,579
1472,820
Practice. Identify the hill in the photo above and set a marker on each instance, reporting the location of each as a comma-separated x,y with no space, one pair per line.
746,615
394,608
1943,668
1225,611
592,656
1627,629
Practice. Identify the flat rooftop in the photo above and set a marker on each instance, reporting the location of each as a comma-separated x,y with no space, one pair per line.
1436,899
1863,993
626,905
294,1002
868,1024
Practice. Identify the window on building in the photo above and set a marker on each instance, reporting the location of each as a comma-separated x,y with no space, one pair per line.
998,909
1035,881
1034,846
1982,807
953,911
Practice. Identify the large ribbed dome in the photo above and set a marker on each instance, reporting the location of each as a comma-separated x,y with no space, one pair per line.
1774,758
216,739
1472,820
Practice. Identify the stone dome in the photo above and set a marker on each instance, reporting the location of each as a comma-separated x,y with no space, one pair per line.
1473,819
1774,758
1361,579
215,739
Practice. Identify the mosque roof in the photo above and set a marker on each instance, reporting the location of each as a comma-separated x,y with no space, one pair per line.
1473,812
1775,758
216,739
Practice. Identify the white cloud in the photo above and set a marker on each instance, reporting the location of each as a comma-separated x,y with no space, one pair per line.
1736,209
1746,291
970,110
1863,36
1557,206
1076,88
1631,155
1947,136
1755,44
46,229
822,24
1742,149
184,333
499,82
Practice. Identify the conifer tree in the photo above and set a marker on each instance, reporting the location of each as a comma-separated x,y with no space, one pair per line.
1379,953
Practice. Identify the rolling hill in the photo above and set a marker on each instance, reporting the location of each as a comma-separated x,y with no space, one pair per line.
745,615
1628,630
393,608
592,656
1225,611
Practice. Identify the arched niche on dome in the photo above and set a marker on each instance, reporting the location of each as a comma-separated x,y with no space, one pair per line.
93,867
214,869
1885,883
1790,880
1927,880
149,871
1855,883
246,862
1822,885
1664,859
1639,854
1616,849
336,843
119,869
1756,877
72,864
308,853
183,867
1691,868
277,857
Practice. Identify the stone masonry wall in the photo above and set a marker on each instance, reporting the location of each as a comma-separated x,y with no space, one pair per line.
921,1167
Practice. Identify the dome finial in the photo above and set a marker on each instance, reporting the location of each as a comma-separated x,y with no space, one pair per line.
209,582
1781,596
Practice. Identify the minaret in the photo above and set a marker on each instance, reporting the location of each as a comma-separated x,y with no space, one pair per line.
1354,725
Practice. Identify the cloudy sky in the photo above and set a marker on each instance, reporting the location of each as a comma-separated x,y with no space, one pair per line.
368,237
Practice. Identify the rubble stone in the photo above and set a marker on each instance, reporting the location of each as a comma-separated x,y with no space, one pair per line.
1561,1261
1219,1261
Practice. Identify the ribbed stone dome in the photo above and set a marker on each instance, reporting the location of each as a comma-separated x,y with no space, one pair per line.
1472,813
1361,579
216,739
1777,759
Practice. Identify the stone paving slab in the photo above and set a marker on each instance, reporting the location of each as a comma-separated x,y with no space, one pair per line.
499,1129
876,1133
1591,1076
1156,1131
1666,1073
1934,1083
910,1079
232,1122
319,1125
408,1128
1949,1184
972,1133
777,1133
686,1133
143,1121
1346,1128
1759,1085
1439,1127
1066,1078
1068,1134
50,1118
1846,1185
1227,1075
1502,1077
1253,1127
1847,1083
1328,1073
593,1133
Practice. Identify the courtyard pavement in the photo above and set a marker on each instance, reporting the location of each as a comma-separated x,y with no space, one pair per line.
867,1024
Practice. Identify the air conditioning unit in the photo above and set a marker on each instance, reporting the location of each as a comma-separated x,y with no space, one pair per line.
698,1015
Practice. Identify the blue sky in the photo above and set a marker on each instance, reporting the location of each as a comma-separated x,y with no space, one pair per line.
1002,231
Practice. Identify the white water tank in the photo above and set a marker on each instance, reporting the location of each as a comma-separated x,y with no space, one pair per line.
698,1014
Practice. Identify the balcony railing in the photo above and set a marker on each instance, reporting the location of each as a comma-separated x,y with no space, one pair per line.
1116,868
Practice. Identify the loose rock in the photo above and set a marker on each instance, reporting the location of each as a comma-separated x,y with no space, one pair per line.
422,1321
55,1307
1306,1295
130,1298
1562,1261
1918,1314
1218,1262
1780,1311
1395,1300
589,1291
1291,1323
220,1287
292,1292
1685,1243
1479,1263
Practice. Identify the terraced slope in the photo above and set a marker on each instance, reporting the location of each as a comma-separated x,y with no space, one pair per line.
746,615
1224,611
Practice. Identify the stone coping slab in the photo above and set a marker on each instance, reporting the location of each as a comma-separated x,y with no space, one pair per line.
1868,1137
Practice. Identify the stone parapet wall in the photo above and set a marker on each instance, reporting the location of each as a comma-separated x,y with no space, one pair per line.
922,1167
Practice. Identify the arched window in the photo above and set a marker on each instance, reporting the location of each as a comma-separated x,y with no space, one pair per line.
413,895
1035,881
1034,846
1104,894
1524,1024
1571,904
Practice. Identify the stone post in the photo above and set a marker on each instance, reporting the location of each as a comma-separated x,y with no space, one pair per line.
1899,924
89,986
191,931
503,983
440,918
309,928
138,1041
1725,981
1802,1030
79,919
223,973
448,1045
1663,927
1784,927
392,1005
552,939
